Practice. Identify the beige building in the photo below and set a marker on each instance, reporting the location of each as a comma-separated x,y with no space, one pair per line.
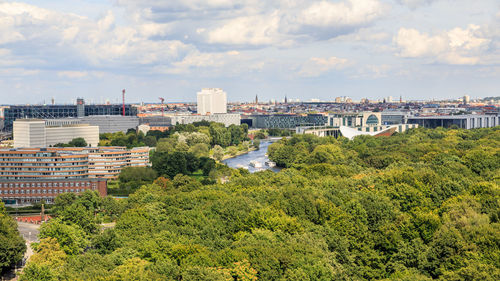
41,133
211,100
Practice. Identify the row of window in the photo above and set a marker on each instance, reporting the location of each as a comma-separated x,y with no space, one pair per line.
45,184
40,191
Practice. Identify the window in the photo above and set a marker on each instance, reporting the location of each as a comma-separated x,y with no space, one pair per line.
372,120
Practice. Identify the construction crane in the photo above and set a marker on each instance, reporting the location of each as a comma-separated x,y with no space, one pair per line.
123,104
162,108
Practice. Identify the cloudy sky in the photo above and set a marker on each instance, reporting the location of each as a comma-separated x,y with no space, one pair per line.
420,49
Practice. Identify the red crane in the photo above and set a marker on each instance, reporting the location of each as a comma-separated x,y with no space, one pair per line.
162,108
123,105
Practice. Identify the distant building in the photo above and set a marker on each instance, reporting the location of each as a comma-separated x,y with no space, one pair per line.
227,119
41,133
469,121
106,123
466,99
363,119
394,117
14,112
211,100
284,121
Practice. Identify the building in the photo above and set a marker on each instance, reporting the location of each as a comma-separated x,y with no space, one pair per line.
394,117
284,121
227,119
29,175
29,191
469,121
14,112
41,133
211,100
466,99
362,119
107,162
111,123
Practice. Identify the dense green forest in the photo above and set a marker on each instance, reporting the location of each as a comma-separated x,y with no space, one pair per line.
421,205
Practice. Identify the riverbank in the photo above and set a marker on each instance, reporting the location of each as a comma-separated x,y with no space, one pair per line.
229,156
256,156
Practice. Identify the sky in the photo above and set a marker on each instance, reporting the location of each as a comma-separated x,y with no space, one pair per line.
304,49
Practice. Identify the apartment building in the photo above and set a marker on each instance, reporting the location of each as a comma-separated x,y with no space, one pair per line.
28,175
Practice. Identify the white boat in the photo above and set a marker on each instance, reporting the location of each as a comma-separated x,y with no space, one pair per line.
255,164
270,164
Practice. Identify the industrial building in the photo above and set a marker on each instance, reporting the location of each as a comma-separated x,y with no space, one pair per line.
41,133
211,100
80,109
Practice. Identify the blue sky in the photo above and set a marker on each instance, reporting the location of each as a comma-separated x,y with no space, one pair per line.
305,49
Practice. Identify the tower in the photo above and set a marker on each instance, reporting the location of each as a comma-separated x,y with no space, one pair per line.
256,99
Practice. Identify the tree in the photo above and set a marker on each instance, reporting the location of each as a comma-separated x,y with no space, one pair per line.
12,245
78,142
70,237
256,143
200,150
137,174
218,152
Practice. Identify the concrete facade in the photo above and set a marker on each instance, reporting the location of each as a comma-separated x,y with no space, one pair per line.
469,121
211,100
226,119
36,133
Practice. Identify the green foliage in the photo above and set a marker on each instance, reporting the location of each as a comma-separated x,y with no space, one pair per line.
76,142
12,245
423,205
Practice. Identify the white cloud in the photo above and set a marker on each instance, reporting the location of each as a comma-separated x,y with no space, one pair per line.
413,4
72,74
252,30
250,23
317,66
457,46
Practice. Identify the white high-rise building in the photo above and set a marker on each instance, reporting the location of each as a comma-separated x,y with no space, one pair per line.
211,100
466,99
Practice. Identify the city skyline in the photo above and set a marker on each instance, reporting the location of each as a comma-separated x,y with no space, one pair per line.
420,49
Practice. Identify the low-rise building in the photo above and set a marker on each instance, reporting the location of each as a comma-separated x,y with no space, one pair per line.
466,121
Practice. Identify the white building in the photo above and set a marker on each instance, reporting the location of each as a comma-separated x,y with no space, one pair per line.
226,119
211,100
40,133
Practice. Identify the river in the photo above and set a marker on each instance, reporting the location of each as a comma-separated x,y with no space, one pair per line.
243,161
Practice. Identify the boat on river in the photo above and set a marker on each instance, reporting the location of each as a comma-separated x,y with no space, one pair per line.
270,164
255,164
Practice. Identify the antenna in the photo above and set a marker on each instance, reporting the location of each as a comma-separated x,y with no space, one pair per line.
123,105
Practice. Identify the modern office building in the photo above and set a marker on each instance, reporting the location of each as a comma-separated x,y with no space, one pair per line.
284,121
211,100
469,121
394,117
106,123
226,118
14,112
362,119
41,133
